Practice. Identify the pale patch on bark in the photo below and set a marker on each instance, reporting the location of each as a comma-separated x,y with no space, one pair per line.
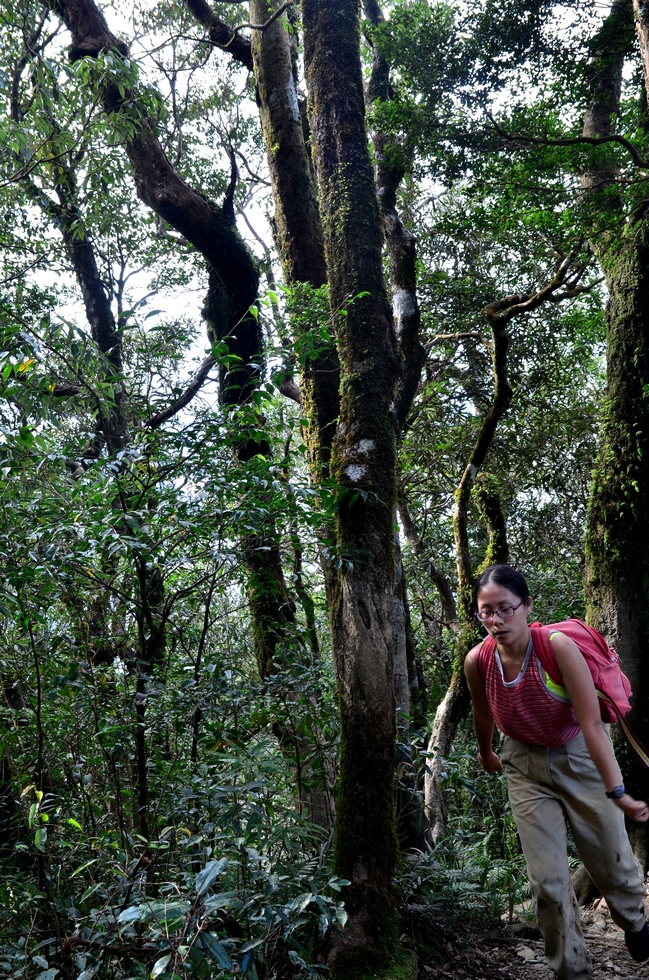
404,305
355,472
366,446
291,100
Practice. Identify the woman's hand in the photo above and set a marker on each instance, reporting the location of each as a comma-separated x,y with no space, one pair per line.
634,809
491,763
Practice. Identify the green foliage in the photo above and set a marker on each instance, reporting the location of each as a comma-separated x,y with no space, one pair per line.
228,882
154,793
100,554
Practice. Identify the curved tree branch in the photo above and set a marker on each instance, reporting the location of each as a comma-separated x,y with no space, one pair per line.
455,703
194,386
220,35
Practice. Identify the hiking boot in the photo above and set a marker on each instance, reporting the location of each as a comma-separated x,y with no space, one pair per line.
637,944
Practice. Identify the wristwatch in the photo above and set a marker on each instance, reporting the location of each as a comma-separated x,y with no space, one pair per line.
616,792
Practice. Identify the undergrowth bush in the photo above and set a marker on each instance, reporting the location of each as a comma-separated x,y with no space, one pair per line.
232,880
237,884
478,871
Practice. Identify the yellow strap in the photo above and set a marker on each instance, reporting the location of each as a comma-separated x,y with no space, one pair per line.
554,687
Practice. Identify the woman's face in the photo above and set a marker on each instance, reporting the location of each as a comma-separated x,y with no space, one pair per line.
491,599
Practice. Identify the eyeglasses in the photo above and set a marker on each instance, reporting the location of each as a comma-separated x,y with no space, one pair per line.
505,612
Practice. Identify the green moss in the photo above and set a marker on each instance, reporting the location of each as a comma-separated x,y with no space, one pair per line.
486,494
364,964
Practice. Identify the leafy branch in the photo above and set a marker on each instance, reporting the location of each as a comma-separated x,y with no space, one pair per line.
520,138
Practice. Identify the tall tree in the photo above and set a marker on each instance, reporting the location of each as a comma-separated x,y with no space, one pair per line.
617,567
233,291
363,465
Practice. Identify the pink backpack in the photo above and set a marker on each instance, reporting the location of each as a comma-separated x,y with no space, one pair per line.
612,685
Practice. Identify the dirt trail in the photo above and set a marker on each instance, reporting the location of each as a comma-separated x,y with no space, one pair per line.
519,956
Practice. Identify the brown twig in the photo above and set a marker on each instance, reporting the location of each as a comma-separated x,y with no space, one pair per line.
71,941
192,389
22,272
34,162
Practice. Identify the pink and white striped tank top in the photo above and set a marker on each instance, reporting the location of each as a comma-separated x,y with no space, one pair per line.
525,709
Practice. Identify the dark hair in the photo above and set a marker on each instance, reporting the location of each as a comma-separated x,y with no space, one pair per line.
503,575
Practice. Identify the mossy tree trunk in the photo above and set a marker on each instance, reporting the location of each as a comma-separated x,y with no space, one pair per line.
390,168
617,558
300,243
363,465
297,228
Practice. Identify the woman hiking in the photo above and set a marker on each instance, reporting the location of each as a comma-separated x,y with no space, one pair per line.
560,765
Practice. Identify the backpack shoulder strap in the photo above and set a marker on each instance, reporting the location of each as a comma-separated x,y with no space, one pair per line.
485,653
545,653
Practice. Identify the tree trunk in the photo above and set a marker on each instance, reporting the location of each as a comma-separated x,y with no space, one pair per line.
297,224
390,168
298,234
298,229
617,561
410,698
299,239
363,466
233,289
451,710
401,679
220,34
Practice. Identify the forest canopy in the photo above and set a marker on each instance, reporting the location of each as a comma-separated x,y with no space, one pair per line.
310,311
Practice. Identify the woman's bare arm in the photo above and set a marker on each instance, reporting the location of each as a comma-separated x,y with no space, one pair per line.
482,717
578,682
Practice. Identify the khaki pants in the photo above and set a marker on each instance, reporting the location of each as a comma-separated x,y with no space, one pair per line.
547,787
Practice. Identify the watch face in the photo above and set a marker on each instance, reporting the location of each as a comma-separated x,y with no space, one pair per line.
616,793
